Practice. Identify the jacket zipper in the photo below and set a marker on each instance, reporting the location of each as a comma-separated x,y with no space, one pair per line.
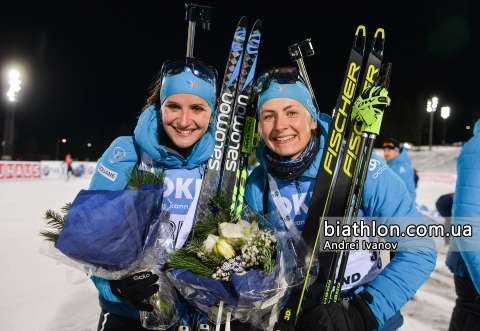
297,184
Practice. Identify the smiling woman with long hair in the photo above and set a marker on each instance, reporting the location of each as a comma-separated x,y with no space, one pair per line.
175,133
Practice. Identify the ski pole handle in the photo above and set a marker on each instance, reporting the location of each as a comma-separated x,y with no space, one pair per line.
196,13
297,55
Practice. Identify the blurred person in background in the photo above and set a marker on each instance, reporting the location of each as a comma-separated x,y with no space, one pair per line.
68,162
444,207
463,258
398,160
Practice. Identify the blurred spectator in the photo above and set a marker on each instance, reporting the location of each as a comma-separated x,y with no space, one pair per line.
399,161
444,208
68,161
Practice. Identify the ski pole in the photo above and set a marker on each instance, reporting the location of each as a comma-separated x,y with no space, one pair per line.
196,13
297,55
372,131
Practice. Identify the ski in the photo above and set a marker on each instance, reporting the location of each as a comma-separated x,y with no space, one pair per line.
326,174
222,120
229,177
247,150
343,193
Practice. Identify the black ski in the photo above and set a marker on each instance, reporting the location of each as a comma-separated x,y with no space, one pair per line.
224,115
325,184
232,161
343,194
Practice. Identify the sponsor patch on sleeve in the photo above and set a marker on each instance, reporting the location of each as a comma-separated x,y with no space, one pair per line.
112,175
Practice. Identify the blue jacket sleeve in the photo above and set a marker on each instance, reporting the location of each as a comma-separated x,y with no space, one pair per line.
466,206
254,189
103,286
111,167
386,199
110,175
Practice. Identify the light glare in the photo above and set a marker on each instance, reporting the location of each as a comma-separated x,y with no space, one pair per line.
64,140
445,112
14,85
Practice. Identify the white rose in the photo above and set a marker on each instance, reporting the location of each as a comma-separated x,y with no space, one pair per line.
210,242
248,229
231,231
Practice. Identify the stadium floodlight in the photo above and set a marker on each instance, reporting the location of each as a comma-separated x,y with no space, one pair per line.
64,141
7,142
429,105
89,145
14,85
445,113
431,108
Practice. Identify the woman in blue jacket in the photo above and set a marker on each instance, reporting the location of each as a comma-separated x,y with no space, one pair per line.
175,132
293,139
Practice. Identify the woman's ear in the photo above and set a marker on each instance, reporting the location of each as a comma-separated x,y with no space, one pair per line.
313,124
211,119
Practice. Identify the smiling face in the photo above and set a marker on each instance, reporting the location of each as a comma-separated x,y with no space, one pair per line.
185,118
286,126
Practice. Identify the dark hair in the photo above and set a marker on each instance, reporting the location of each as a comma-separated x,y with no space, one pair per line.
154,92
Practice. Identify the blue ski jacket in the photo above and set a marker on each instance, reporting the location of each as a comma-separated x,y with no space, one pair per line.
122,155
463,258
385,199
402,166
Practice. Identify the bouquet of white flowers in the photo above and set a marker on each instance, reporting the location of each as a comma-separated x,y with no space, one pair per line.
236,267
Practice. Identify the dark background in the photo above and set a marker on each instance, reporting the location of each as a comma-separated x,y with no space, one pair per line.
86,66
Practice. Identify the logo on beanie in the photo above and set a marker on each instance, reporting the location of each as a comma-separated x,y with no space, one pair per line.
283,88
192,83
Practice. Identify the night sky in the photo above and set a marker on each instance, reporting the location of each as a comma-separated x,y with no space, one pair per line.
86,66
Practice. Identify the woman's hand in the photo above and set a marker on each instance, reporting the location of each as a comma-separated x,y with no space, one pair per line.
354,315
136,288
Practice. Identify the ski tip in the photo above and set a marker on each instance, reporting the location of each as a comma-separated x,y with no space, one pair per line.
379,30
243,21
258,25
361,27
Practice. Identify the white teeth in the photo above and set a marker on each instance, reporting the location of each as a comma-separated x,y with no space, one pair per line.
184,132
284,138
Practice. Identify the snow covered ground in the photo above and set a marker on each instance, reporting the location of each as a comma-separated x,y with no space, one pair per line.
35,293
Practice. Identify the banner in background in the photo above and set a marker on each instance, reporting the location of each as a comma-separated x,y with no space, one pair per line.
437,177
19,170
58,169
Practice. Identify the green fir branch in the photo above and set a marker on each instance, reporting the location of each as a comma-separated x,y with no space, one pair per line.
136,178
182,258
210,259
266,254
223,213
55,221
